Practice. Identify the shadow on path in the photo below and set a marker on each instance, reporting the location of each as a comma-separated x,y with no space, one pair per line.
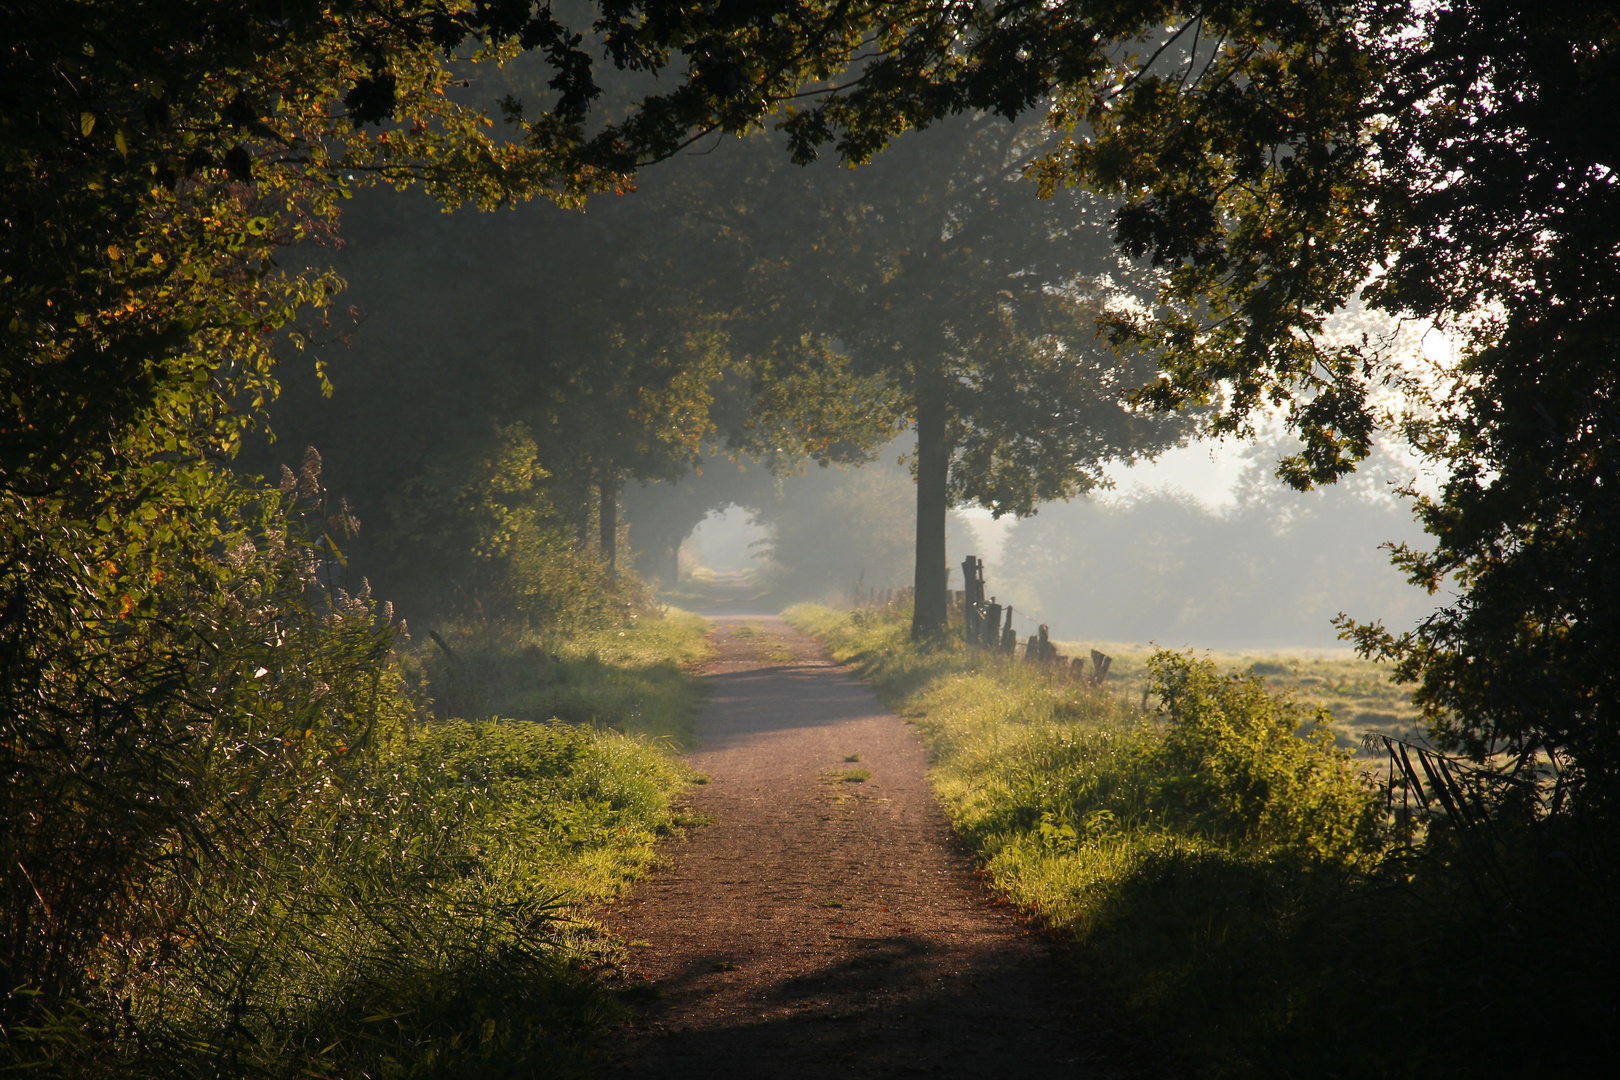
825,925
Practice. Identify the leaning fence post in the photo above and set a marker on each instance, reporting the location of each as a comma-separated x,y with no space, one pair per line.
1101,662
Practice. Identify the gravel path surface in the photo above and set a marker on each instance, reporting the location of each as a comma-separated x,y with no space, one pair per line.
823,924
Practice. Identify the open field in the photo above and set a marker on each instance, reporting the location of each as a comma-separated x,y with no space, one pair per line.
1359,693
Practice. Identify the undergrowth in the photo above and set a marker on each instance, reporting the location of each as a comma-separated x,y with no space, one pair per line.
1238,885
626,676
416,911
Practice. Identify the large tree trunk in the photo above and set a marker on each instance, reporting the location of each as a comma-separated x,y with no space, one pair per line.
608,514
933,472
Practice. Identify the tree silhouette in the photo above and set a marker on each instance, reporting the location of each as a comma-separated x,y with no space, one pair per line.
972,305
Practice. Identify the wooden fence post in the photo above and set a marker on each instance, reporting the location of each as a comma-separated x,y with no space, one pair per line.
1045,650
972,598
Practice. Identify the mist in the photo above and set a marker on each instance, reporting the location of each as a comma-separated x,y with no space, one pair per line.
462,322
1271,570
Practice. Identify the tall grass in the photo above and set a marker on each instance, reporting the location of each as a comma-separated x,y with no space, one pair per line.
1239,885
627,676
413,908
419,923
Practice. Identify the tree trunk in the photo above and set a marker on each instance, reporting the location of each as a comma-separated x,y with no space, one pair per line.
608,514
582,518
933,471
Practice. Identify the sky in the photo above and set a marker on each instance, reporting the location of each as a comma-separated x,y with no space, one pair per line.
1207,470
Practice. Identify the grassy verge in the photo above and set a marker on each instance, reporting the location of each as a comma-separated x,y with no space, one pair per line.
419,909
1192,852
628,678
1234,876
1359,693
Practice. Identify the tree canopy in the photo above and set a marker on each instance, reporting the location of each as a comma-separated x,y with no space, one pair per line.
972,305
1273,158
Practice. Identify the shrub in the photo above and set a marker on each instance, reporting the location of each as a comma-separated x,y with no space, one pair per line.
235,847
1250,769
480,539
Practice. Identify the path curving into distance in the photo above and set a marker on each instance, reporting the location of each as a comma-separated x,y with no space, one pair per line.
822,927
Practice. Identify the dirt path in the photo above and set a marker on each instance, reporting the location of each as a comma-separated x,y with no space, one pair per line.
823,925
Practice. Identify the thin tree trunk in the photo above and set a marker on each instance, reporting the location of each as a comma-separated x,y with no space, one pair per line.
933,471
582,516
608,514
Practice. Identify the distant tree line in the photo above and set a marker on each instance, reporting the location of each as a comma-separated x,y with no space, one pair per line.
1274,569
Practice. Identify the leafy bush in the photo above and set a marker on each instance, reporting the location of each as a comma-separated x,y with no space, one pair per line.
1234,768
478,538
1184,851
186,694
234,848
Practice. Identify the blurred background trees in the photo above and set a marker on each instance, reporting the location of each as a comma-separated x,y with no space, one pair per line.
1271,569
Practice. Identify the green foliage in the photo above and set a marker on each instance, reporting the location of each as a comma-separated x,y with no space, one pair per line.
1234,764
1168,845
973,305
627,675
205,659
155,158
480,534
231,846
1362,695
1226,766
1238,883
411,921
1273,159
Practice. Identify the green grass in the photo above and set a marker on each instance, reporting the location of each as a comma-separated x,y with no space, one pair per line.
1185,860
1226,869
1359,693
431,924
423,911
629,678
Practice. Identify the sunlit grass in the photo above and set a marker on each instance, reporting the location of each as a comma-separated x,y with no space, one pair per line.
1082,812
430,914
630,678
1360,694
